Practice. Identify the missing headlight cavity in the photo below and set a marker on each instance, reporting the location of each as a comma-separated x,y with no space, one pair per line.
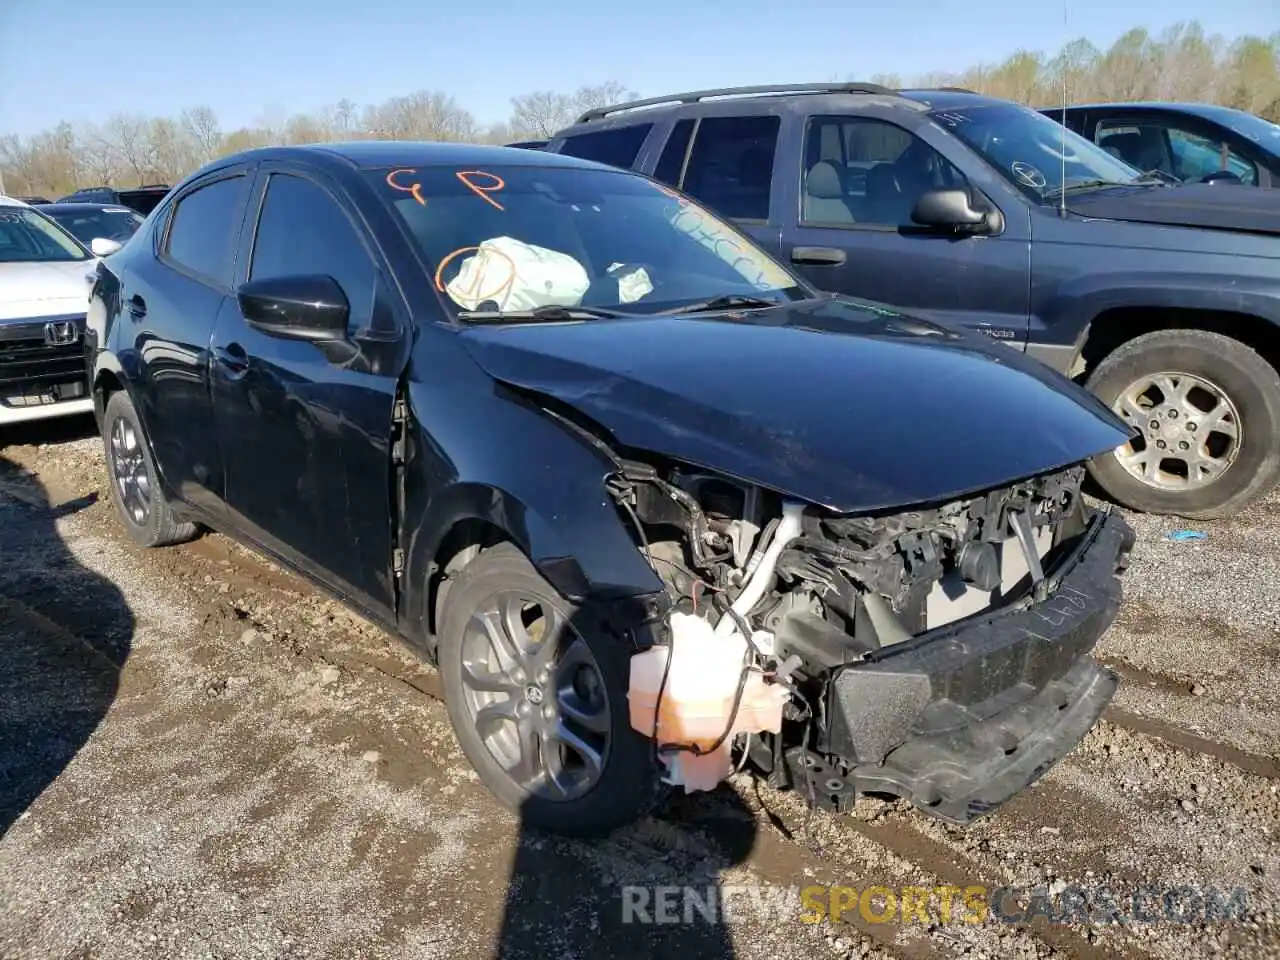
773,600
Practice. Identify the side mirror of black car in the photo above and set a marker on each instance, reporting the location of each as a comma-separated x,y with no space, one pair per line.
305,307
953,210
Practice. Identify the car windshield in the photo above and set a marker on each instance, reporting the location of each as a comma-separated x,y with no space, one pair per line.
28,236
1037,155
506,241
109,223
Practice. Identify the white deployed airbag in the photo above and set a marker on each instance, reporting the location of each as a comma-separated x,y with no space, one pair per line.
516,275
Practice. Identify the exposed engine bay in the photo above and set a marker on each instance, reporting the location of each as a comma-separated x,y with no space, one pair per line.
817,595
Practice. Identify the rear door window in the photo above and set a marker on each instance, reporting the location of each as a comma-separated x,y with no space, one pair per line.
205,227
617,147
730,168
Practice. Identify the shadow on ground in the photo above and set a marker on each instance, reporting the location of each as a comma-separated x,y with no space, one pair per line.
652,890
65,633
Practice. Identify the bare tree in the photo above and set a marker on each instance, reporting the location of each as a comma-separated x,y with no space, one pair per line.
541,113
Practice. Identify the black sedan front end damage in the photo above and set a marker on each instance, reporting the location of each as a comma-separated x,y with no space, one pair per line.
962,717
941,654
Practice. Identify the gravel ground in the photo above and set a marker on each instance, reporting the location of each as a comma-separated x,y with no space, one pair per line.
200,757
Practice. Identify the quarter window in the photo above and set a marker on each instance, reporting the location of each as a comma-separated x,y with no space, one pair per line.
618,147
731,166
303,230
206,226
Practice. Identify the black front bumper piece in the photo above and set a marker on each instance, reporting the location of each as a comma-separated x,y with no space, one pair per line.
961,718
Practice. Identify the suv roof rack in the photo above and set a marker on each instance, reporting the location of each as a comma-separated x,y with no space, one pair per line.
940,90
778,88
150,186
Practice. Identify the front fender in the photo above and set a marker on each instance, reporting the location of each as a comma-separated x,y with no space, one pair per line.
1080,301
501,461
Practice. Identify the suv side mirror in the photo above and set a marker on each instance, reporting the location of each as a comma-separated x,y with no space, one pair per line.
102,247
307,307
952,209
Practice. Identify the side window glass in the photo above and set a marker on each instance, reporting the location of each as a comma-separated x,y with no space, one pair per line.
206,226
862,171
672,160
617,147
1142,146
302,229
1196,156
731,166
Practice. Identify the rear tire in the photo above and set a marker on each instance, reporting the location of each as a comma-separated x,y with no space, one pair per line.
134,480
624,786
1199,370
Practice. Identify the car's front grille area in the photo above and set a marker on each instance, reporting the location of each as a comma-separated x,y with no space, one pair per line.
34,372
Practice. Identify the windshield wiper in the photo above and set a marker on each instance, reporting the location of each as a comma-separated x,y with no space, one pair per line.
1085,185
727,301
552,312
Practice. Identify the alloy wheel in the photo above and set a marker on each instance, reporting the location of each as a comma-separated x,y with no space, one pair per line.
1189,431
535,696
128,463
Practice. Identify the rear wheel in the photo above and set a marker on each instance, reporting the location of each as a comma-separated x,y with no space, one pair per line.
1207,411
134,482
538,700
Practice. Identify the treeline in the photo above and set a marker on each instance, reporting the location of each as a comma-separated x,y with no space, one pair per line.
1182,63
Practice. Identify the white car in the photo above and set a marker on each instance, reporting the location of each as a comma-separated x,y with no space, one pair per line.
44,295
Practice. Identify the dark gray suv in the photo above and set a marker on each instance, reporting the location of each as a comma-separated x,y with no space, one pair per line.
1163,297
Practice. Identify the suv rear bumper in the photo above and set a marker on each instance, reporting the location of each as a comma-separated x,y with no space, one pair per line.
960,719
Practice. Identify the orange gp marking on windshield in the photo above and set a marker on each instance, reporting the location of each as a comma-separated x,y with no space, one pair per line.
415,188
481,190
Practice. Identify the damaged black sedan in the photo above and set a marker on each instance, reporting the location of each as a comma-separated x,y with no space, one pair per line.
653,505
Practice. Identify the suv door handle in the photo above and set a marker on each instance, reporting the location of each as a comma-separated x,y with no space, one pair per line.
821,256
235,362
137,307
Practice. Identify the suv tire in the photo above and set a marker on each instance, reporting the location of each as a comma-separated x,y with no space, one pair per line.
1210,369
626,785
134,480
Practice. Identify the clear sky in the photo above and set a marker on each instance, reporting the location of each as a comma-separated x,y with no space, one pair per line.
82,60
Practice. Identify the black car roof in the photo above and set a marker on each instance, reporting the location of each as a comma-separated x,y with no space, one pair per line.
83,206
375,154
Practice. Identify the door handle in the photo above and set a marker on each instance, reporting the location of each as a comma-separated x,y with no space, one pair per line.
820,256
137,307
234,361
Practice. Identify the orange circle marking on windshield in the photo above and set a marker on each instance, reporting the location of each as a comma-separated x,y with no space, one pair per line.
482,190
506,284
414,189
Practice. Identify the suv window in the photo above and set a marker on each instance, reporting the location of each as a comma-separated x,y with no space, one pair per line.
730,168
205,226
1170,149
617,147
301,230
863,171
672,160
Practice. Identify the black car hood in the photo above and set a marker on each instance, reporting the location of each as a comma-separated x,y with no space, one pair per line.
1215,206
849,406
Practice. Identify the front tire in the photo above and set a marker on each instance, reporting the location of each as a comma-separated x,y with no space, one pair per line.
134,481
538,700
1208,411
